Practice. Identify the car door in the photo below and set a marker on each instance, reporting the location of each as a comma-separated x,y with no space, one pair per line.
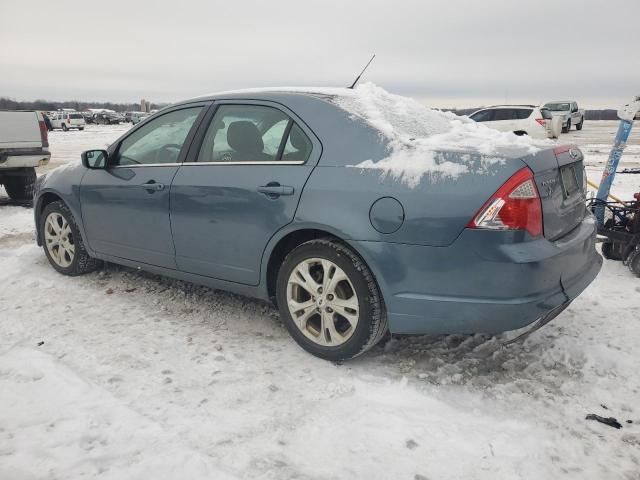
503,120
242,184
125,207
575,115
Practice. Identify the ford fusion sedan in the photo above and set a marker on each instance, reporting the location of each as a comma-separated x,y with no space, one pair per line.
356,212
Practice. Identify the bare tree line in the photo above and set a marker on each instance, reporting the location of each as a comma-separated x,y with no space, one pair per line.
47,105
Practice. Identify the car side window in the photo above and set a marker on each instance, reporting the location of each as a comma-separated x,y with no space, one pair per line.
523,113
158,141
298,146
253,133
505,114
483,116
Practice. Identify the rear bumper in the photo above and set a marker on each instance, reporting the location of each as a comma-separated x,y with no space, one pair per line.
486,281
17,158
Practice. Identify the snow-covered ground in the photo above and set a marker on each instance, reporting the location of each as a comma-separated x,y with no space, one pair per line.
126,375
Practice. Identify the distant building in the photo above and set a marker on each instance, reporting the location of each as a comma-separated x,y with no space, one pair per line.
145,106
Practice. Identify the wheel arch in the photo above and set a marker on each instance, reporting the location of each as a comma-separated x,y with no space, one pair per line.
281,245
49,196
44,199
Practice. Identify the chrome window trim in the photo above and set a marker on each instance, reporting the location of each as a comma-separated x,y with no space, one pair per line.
275,162
284,162
138,165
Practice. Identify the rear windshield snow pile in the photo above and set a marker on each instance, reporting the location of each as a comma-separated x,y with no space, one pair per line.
418,136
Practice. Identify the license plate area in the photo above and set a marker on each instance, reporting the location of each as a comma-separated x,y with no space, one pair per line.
569,179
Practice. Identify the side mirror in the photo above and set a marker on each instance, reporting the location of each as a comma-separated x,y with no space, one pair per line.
95,159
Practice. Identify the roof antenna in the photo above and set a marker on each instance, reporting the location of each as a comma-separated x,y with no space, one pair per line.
365,67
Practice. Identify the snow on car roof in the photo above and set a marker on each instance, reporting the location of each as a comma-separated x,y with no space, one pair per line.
416,134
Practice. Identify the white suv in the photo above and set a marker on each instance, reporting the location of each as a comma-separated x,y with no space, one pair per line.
67,120
519,119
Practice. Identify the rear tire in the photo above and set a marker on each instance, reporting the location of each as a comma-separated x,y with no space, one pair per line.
62,242
349,287
20,187
633,261
609,252
80,128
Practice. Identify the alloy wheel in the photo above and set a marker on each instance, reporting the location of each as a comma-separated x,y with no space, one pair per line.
322,302
59,240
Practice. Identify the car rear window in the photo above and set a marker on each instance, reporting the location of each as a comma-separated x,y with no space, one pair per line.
75,115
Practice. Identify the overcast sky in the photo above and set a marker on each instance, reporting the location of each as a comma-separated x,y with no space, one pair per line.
445,53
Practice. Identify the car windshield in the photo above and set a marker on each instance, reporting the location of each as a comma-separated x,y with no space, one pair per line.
557,107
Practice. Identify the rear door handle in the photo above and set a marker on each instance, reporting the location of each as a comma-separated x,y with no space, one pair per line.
151,185
274,189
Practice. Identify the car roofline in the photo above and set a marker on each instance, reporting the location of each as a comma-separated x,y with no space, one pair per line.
524,105
267,93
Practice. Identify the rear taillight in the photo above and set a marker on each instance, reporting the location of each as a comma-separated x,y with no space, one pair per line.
515,206
541,121
44,134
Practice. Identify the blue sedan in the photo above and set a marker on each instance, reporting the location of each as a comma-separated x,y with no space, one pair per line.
356,212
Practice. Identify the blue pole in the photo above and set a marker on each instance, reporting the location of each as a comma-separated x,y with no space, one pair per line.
612,165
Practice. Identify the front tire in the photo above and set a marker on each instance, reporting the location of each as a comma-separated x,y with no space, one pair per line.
329,301
62,242
20,187
579,125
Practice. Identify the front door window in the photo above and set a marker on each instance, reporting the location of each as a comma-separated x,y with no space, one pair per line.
159,141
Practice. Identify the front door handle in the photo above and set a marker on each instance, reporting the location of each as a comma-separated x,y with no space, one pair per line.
274,189
152,186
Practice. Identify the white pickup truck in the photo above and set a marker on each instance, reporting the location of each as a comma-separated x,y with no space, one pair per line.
569,112
24,145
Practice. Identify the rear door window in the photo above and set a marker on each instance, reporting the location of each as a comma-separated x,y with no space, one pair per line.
253,133
505,114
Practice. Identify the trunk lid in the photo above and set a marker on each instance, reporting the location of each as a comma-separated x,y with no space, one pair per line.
560,178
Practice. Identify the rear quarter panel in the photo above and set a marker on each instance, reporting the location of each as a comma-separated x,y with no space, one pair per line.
435,211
